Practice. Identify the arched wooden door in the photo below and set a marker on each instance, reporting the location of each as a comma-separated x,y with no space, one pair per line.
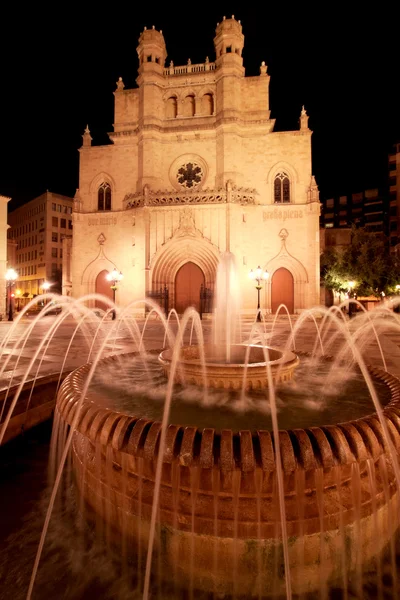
188,280
103,286
282,290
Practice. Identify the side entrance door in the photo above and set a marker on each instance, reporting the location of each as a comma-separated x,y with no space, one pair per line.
103,286
282,290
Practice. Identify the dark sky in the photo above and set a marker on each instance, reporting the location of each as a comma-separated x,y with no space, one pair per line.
59,66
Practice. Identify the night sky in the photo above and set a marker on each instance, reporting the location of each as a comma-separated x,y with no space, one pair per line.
59,67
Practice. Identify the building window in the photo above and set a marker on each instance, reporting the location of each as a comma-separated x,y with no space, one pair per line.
63,223
54,237
171,108
54,252
281,188
54,221
53,206
104,197
69,224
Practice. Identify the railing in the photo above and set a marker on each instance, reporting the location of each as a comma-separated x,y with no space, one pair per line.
241,196
206,300
160,296
189,68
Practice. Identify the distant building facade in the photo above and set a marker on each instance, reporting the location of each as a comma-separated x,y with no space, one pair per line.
4,200
378,210
195,169
369,209
394,195
37,229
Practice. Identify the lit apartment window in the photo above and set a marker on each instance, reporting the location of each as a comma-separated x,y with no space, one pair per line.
281,188
104,197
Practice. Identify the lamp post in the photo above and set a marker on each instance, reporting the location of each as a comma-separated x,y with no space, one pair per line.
11,277
351,285
115,277
18,293
258,275
45,287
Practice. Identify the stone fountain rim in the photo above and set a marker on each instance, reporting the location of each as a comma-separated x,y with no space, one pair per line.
308,448
287,356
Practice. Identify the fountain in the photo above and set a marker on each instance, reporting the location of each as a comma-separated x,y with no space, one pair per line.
234,511
214,469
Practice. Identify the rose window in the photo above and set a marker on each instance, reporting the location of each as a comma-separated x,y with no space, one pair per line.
190,175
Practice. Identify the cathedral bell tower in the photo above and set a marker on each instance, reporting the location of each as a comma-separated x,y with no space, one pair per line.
152,53
229,74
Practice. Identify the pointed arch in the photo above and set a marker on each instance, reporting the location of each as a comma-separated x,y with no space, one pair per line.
166,263
284,260
102,181
282,179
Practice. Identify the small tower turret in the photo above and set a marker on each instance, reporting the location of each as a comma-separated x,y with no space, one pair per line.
228,43
152,52
303,120
87,138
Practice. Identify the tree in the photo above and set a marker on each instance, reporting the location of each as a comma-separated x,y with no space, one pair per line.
367,261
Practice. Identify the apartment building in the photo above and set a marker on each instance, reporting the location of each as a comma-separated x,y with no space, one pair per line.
376,209
394,195
38,228
369,209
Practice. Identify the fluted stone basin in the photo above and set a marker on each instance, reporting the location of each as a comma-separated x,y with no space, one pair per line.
229,375
218,498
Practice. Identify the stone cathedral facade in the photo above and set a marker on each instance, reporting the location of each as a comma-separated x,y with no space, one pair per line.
195,169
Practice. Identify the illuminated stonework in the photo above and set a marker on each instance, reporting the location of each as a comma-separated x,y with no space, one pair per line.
198,136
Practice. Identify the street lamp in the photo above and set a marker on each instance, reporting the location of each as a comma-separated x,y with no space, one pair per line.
11,277
45,287
351,285
258,275
115,277
18,293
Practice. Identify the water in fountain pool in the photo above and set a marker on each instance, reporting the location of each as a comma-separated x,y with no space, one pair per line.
305,401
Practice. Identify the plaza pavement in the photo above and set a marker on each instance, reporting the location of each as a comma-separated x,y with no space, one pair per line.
22,350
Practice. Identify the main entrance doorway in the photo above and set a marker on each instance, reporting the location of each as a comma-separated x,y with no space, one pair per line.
188,280
282,290
103,286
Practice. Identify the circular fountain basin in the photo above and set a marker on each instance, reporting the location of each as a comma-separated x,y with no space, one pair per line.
219,520
245,364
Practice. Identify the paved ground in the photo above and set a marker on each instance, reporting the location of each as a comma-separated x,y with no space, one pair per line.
42,347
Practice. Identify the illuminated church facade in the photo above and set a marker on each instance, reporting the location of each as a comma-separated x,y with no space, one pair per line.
195,169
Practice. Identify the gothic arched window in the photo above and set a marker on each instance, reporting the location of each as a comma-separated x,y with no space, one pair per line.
281,188
104,197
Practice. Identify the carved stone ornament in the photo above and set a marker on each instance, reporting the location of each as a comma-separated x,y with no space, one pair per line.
242,196
190,175
186,225
101,239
